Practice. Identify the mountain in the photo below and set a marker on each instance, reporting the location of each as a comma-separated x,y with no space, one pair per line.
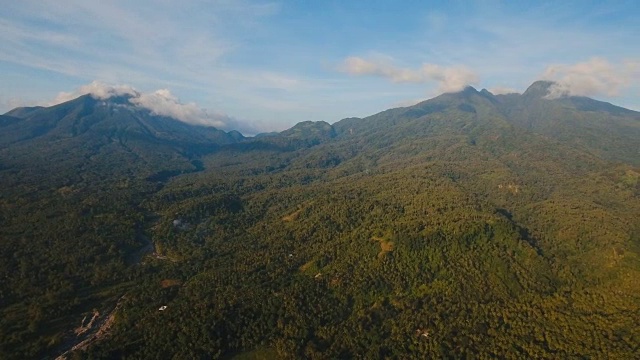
113,133
470,224
114,118
22,112
6,120
73,176
307,130
580,121
317,131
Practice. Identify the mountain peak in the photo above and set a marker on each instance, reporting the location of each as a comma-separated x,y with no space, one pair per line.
469,90
486,92
539,88
310,128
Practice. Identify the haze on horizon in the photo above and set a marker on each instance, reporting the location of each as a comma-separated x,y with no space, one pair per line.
262,66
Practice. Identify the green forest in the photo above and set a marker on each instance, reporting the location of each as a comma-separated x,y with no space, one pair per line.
469,226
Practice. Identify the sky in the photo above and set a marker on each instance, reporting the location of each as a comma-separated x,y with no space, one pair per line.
262,66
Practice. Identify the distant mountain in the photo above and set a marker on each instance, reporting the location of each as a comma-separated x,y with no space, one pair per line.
606,130
114,118
318,130
112,129
272,133
309,133
305,134
603,129
22,112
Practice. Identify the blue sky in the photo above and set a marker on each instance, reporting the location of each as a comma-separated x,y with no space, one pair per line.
260,65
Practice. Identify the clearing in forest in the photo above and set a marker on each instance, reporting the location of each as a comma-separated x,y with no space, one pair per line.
167,283
385,246
308,266
293,216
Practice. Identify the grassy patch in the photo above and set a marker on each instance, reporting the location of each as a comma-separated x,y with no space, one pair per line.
292,217
386,246
309,267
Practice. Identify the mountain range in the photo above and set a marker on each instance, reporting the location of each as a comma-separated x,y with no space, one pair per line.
470,224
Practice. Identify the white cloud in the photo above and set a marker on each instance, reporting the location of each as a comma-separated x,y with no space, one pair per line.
146,42
448,78
247,56
160,102
595,77
97,89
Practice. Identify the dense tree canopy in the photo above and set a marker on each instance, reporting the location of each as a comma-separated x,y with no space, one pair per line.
462,227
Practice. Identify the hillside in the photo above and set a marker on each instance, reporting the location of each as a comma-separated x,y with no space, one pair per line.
467,225
72,176
582,122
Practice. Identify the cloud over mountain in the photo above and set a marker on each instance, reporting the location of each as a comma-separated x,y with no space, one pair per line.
160,102
448,78
97,90
594,77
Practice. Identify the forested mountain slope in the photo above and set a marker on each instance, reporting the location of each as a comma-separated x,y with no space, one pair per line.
72,176
604,129
462,226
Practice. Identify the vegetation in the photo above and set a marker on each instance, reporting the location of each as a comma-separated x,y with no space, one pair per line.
448,229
